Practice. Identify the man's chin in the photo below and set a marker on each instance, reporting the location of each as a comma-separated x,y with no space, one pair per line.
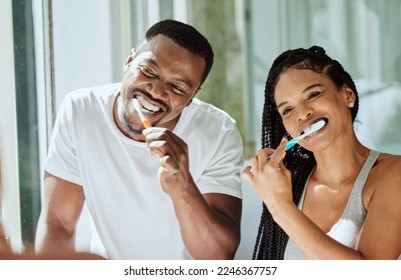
133,130
129,128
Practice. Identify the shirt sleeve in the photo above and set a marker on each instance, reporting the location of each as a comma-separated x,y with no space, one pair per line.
223,175
61,159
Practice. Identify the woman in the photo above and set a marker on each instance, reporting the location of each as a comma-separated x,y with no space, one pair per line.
329,197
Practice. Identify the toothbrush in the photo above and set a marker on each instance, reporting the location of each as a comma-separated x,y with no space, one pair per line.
313,128
144,121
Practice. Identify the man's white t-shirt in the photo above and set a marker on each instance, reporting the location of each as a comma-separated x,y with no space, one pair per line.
134,218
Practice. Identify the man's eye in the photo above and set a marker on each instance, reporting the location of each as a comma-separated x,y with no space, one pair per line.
178,90
147,72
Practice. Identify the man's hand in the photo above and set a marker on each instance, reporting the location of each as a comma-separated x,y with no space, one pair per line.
174,161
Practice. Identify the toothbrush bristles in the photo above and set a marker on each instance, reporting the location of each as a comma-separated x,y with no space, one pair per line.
315,127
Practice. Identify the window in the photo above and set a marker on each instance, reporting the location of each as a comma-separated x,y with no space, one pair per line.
20,131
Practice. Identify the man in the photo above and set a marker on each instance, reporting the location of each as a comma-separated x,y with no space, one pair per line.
183,202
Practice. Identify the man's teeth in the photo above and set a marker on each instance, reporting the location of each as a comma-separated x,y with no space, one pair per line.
145,104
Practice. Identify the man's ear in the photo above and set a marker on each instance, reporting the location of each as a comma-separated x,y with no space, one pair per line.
190,101
129,59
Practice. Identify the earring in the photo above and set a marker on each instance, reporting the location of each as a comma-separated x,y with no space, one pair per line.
351,104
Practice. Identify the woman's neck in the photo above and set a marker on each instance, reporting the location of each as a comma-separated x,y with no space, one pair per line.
338,164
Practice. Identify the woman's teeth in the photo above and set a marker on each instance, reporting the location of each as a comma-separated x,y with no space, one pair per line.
315,127
146,105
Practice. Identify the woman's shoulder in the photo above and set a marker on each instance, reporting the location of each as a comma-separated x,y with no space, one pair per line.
382,197
386,170
385,175
387,167
390,162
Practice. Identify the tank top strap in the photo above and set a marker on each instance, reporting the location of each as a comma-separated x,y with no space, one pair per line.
359,182
364,173
355,206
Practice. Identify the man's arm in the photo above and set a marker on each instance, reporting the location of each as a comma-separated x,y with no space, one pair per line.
62,206
209,223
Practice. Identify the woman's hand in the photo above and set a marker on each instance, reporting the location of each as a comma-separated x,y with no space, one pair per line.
270,178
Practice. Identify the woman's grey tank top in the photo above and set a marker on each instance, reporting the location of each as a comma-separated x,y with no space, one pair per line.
346,230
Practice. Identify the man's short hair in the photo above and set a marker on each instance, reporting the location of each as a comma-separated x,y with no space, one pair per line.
187,37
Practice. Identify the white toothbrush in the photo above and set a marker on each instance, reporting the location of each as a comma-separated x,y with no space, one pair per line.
144,121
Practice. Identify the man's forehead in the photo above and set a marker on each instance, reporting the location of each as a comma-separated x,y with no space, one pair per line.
148,44
158,43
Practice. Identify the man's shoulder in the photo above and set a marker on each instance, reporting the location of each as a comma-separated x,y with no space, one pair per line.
96,98
209,112
99,91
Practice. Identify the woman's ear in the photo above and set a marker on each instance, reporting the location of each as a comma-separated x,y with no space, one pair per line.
129,59
349,95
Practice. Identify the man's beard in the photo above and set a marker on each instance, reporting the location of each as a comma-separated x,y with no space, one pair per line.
128,126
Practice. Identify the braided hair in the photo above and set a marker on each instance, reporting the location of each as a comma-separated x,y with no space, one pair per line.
271,239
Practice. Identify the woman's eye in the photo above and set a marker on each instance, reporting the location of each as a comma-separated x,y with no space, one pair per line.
286,111
313,95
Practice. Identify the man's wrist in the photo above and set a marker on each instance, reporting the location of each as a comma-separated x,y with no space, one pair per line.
5,244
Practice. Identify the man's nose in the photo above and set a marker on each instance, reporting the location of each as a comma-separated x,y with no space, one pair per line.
157,88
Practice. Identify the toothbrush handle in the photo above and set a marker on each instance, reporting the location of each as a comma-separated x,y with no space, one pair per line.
290,144
147,124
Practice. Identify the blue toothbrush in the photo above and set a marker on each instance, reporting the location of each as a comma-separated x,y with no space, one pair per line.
313,128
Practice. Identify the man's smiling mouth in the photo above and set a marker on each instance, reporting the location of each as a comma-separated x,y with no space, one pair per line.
147,105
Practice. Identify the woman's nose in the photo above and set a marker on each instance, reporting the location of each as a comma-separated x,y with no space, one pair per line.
304,112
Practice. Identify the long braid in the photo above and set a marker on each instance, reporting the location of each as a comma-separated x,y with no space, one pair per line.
271,239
